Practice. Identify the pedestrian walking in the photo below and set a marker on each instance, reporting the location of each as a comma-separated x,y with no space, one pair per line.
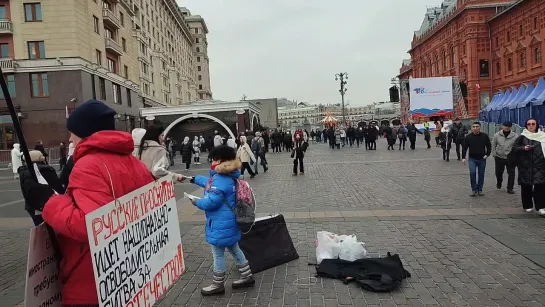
427,137
258,148
411,134
402,136
529,149
196,150
16,160
246,156
40,147
459,131
479,147
186,151
445,141
502,144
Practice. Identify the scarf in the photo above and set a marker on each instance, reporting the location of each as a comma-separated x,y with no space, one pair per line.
539,136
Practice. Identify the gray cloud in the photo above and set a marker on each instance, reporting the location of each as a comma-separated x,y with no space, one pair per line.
293,48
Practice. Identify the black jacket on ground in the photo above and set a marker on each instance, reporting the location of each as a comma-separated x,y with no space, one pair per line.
49,174
478,144
373,274
531,164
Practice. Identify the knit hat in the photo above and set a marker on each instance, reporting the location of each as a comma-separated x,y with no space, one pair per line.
90,117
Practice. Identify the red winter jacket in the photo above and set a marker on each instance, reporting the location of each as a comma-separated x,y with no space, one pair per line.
89,188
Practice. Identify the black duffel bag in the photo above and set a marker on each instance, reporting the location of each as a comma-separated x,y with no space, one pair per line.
268,244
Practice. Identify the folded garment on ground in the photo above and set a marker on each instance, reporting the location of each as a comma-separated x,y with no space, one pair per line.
373,274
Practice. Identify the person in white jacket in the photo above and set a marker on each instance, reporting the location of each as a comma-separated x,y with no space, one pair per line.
196,151
246,156
154,155
231,142
16,159
217,139
137,135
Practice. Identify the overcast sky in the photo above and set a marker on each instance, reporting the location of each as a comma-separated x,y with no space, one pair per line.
293,48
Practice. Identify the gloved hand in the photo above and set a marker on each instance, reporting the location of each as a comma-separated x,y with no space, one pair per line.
37,194
192,179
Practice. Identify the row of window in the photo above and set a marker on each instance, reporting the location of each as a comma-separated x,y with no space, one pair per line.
39,85
522,61
116,91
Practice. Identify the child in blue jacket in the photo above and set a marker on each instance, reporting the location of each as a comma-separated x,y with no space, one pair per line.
222,231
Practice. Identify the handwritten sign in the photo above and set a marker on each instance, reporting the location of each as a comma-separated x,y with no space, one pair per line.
136,247
43,286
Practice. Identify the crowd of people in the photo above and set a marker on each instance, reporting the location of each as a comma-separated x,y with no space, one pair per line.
99,154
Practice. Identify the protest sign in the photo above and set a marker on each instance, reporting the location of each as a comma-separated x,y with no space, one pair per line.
43,286
136,247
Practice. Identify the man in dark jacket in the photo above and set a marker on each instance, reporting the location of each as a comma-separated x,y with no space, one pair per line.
359,136
479,147
351,135
459,132
411,134
502,144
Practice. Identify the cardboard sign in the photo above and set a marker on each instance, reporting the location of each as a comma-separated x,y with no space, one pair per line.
43,286
136,247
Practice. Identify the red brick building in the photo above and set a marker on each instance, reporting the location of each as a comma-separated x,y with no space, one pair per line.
474,40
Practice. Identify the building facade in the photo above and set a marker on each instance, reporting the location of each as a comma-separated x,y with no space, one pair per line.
298,115
268,116
56,54
199,30
453,40
517,39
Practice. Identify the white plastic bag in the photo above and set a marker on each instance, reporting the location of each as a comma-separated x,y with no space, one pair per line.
351,249
328,246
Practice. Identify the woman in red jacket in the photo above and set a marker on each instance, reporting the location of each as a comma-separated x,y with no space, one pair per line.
103,166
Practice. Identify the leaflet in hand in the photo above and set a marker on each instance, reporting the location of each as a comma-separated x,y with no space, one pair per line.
192,197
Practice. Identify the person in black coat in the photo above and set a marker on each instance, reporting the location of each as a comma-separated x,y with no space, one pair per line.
49,174
411,134
331,137
298,154
359,135
266,140
351,135
529,157
40,147
186,151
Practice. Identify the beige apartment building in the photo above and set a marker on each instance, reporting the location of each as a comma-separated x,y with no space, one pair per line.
200,48
56,54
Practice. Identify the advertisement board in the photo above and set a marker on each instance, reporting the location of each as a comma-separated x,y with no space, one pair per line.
431,93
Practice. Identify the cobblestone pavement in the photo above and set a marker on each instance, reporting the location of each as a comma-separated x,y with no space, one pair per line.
461,251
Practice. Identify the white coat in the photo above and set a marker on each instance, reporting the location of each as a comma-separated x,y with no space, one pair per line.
16,155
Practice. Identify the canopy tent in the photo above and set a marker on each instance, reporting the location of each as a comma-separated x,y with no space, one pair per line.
514,102
538,90
329,120
539,99
494,101
506,102
503,98
527,92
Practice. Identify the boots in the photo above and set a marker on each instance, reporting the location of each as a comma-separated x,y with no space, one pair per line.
217,286
246,278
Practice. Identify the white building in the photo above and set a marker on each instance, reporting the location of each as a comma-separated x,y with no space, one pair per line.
298,114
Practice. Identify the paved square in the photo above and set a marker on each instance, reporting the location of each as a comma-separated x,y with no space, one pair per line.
461,251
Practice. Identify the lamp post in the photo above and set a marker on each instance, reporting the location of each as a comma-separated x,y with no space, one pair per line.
342,77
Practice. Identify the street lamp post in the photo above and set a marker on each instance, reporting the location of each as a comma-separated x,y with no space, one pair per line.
342,77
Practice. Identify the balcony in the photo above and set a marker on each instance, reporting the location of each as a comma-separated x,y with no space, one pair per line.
113,46
111,19
7,65
5,27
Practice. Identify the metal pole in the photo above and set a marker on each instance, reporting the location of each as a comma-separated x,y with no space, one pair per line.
342,77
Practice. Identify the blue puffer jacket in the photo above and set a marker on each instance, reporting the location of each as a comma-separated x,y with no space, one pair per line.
221,225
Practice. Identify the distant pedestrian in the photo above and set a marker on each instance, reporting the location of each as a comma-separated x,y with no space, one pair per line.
186,151
16,160
502,144
479,147
427,137
62,156
298,154
40,147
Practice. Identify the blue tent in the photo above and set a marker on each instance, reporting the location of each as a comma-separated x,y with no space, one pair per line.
519,112
494,101
495,110
538,90
514,102
537,101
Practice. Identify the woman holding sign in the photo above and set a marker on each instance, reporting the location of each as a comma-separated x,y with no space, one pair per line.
104,168
222,230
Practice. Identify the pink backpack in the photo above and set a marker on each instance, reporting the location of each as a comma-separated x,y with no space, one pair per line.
245,204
